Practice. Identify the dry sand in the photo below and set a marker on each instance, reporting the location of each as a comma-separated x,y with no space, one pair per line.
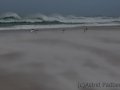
53,60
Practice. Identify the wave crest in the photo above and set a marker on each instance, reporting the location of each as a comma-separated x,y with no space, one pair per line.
13,19
57,16
10,15
38,16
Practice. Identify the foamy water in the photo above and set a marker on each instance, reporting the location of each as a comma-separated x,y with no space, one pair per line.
15,21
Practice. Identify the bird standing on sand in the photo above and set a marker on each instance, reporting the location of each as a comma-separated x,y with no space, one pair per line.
63,31
85,30
36,30
32,30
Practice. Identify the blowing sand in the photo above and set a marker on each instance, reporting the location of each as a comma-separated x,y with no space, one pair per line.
52,60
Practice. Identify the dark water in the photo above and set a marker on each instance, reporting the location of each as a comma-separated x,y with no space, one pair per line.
15,21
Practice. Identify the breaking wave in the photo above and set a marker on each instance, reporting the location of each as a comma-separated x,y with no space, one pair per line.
12,19
10,15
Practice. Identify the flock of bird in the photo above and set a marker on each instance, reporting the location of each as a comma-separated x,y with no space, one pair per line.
33,30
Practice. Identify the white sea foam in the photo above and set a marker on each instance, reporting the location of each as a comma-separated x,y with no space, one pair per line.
14,21
10,14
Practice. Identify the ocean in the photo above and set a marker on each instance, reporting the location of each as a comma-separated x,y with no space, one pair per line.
14,21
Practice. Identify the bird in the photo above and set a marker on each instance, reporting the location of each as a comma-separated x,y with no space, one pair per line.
85,30
36,30
32,30
63,31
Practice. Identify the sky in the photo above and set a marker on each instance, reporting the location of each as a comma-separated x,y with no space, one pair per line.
63,7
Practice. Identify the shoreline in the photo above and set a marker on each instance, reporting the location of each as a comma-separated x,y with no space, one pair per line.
70,28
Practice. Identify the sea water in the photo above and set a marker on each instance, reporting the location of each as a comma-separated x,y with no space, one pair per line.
14,21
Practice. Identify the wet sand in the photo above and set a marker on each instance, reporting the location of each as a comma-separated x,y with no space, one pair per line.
53,60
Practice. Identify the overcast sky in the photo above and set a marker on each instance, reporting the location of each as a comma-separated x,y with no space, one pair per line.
63,7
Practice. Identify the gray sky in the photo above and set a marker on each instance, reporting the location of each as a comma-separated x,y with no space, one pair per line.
63,7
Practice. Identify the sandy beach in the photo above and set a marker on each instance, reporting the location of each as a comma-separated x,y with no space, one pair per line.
54,60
